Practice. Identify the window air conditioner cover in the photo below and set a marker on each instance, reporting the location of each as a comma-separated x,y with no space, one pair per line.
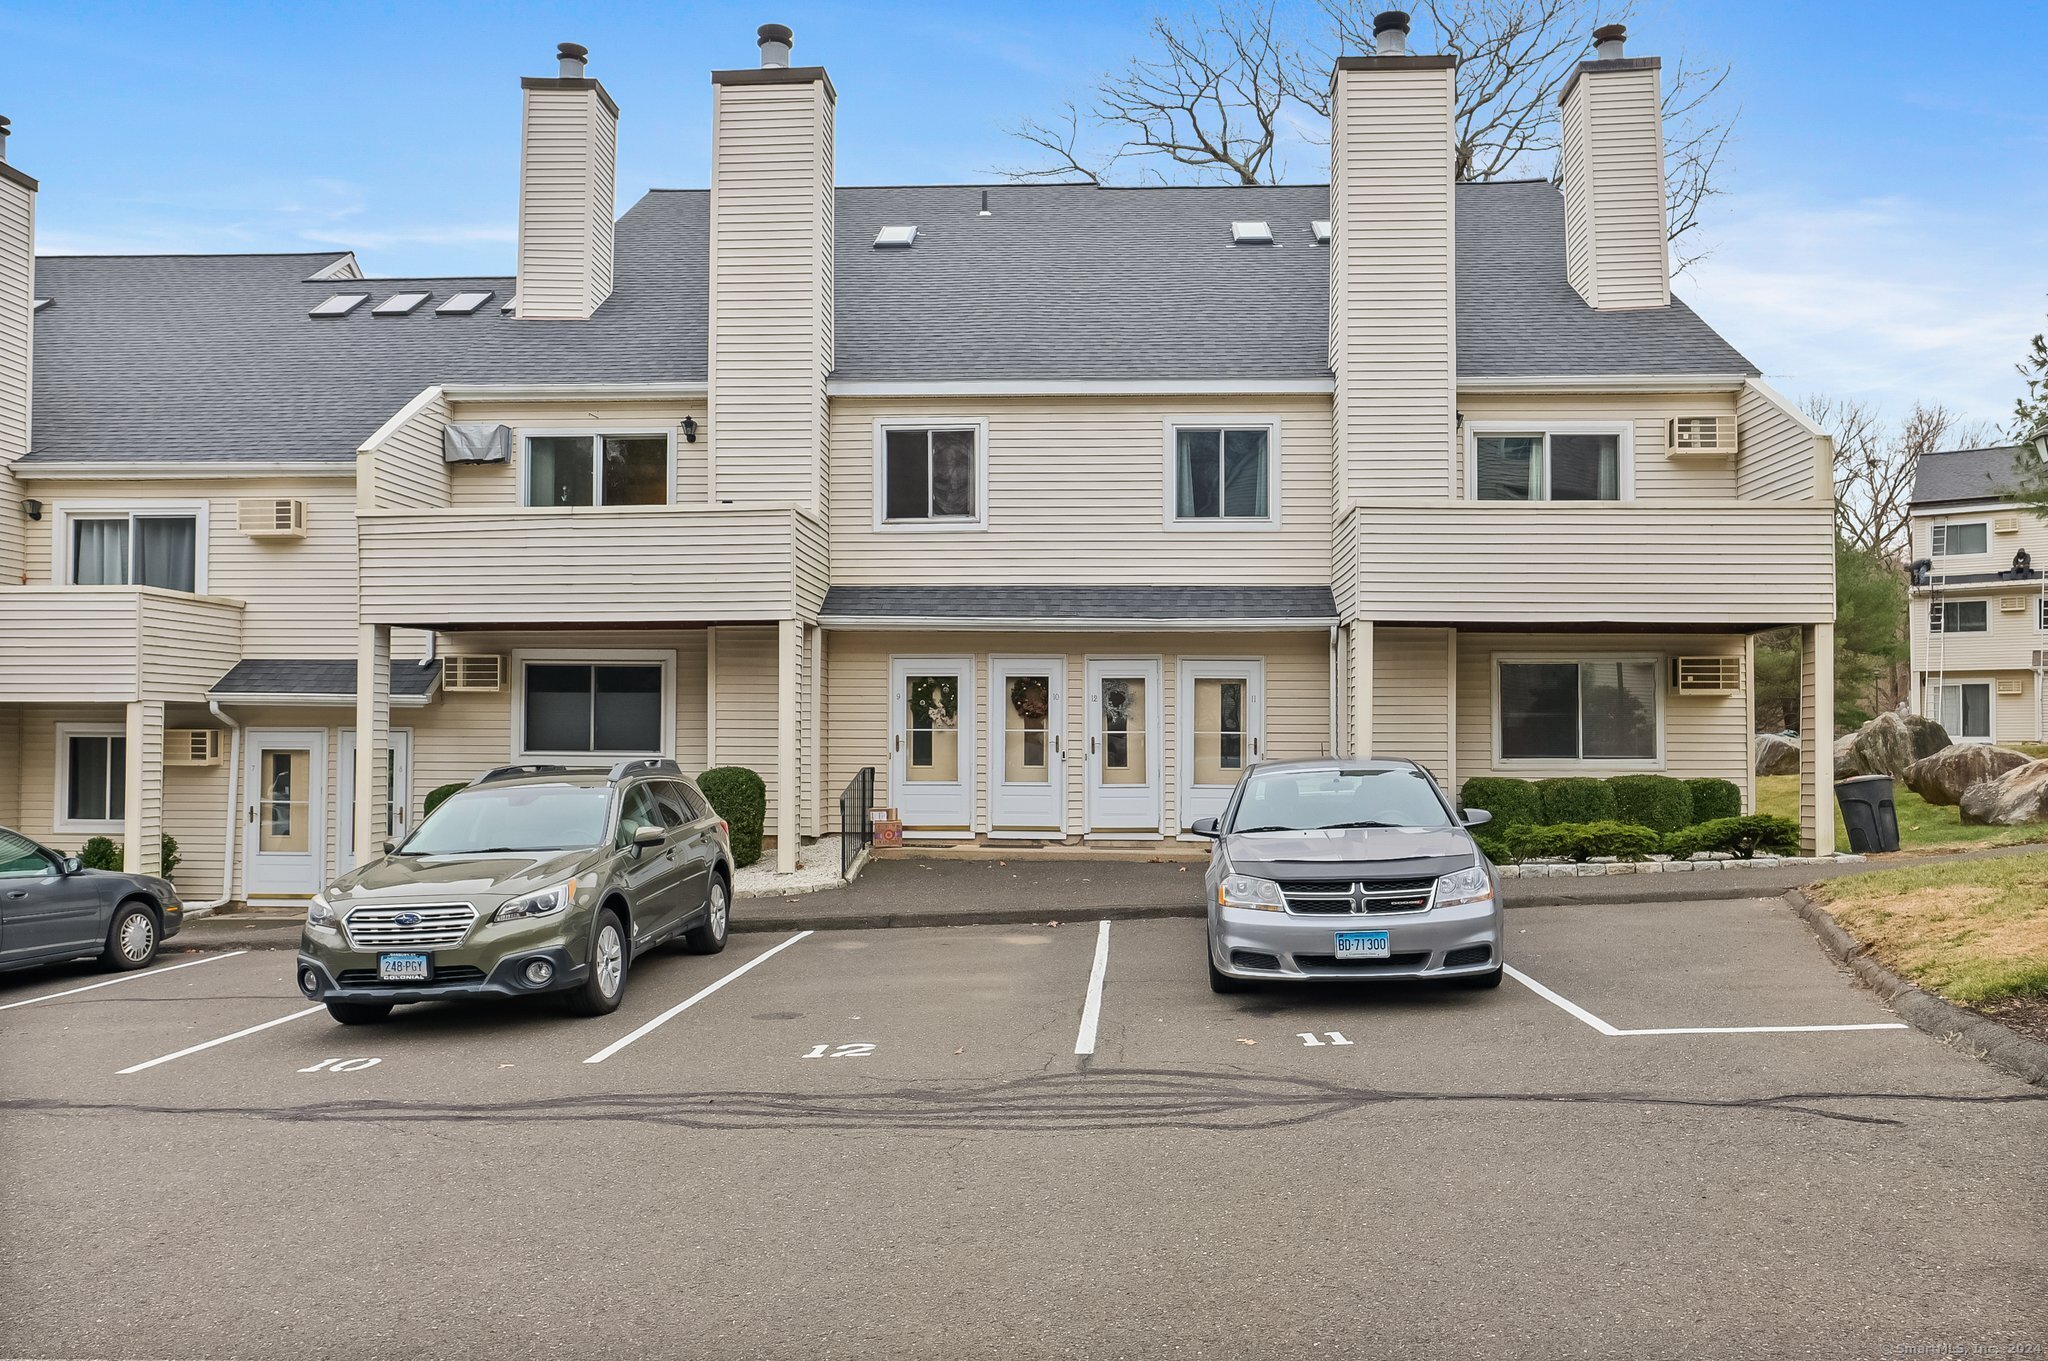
265,519
478,672
2008,685
1701,434
2012,604
2006,524
192,746
1719,675
476,442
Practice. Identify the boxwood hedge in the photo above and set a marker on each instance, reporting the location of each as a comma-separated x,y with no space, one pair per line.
1513,803
1576,798
740,797
1658,802
1713,800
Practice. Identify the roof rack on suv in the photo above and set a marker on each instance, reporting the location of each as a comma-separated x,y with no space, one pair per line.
654,764
515,772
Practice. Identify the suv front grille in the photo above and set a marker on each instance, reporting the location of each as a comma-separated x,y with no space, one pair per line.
1322,897
439,927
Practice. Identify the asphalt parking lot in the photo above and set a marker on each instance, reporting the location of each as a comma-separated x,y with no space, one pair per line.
1678,1130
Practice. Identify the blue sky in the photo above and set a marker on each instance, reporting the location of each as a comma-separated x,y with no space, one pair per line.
1884,233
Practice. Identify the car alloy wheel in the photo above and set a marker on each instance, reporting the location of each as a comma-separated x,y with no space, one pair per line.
611,959
720,909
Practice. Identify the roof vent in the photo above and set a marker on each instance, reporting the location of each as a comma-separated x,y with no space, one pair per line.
1251,234
1390,33
984,205
570,59
1320,229
41,303
398,305
895,238
775,40
340,305
1610,41
511,304
462,304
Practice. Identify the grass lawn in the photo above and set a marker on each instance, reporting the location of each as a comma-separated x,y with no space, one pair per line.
1976,932
1923,826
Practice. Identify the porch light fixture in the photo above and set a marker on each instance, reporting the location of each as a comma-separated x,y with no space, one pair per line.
32,509
689,430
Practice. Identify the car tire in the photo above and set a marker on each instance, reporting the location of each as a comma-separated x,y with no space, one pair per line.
132,939
611,955
1222,982
359,1013
709,938
1477,982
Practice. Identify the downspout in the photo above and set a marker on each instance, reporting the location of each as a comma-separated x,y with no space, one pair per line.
227,852
1336,700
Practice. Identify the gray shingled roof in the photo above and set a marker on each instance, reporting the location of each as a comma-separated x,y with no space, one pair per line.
1305,605
215,357
1965,475
321,679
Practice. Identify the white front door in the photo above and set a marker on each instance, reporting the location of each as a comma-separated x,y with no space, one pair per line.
931,745
1123,746
1222,731
1027,791
285,784
397,820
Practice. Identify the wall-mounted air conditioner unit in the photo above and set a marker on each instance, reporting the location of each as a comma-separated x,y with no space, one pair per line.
1700,435
2006,524
264,519
1720,675
476,672
2009,685
192,746
2012,604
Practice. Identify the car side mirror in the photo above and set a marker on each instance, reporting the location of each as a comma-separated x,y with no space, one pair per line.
649,835
71,864
390,846
1207,827
1475,817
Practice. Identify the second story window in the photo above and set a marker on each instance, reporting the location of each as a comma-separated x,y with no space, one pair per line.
1961,541
1959,616
1547,465
597,470
1222,473
135,549
930,475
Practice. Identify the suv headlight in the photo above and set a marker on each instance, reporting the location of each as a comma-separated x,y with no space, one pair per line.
1472,885
545,903
1259,895
320,912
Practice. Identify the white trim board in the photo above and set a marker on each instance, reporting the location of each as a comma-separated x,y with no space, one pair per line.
155,469
1034,624
1103,387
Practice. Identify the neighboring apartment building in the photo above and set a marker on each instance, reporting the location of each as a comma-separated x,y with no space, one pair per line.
1059,506
1979,616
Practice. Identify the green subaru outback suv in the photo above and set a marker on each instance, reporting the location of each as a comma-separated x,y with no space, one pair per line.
534,879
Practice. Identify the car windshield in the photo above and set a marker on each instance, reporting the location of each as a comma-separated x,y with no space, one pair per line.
518,817
1309,800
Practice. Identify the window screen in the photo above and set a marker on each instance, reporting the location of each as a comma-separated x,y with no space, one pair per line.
136,550
97,770
597,470
1541,466
1578,711
929,475
1221,474
610,710
1956,541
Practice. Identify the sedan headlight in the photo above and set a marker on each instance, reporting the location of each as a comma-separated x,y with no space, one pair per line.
545,903
1259,895
1472,885
320,912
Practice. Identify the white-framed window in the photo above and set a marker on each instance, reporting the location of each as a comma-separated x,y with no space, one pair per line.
596,467
97,543
1568,711
1961,539
2041,614
931,474
1964,708
92,777
580,704
1959,616
1549,461
1222,474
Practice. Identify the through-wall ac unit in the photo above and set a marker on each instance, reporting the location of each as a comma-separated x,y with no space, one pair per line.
475,672
1700,434
192,746
264,519
2009,685
2006,524
1720,675
2012,604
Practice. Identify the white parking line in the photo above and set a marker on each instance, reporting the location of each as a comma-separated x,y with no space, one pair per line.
1566,1004
222,1040
124,978
679,1008
1091,1010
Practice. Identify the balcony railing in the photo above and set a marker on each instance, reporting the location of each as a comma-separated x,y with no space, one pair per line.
114,644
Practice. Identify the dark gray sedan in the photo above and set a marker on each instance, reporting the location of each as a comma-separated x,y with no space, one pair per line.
1348,869
53,909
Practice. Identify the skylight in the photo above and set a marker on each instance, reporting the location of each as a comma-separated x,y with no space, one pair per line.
1251,234
1321,228
398,305
462,304
511,304
340,305
895,238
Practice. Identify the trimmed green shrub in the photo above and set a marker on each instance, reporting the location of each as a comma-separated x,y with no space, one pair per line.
1492,839
1741,837
1658,802
1576,798
168,858
1585,840
438,796
1513,803
1713,800
739,796
100,853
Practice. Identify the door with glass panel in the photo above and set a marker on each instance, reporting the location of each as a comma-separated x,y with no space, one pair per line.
1123,784
1222,731
1026,762
931,745
285,784
396,820
1964,708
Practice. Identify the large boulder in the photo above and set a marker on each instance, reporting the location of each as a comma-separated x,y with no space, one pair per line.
1928,736
1887,744
1943,777
2016,797
1776,755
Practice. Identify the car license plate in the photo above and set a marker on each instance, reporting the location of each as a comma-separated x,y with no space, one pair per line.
1362,945
407,968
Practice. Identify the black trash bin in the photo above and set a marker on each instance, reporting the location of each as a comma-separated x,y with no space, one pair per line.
1867,811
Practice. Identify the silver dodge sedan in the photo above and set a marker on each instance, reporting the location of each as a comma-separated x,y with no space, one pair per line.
1338,869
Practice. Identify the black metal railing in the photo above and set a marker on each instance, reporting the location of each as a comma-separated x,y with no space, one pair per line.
856,829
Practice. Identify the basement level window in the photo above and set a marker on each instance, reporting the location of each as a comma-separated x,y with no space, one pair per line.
896,238
1251,234
340,305
1320,229
462,304
398,305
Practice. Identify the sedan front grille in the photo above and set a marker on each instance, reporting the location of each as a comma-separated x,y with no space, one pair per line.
1325,897
429,928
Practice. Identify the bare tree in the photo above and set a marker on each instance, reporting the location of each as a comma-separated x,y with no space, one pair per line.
1875,465
1220,88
